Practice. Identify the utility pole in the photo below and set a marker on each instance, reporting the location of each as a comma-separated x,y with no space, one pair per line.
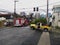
47,10
15,6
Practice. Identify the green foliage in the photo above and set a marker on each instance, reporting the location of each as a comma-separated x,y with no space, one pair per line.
37,20
33,22
1,23
42,20
57,27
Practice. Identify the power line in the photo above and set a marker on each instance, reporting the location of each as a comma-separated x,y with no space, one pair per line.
39,6
50,4
42,5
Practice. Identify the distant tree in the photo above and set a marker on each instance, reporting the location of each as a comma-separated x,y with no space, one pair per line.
42,20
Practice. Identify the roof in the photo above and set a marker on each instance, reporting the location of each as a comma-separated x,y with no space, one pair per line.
4,14
55,6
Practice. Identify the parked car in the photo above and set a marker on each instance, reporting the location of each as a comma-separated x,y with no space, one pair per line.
40,27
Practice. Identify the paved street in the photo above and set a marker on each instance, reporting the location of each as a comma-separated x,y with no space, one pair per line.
55,38
26,36
19,36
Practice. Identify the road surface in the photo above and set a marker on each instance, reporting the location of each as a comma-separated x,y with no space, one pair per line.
19,36
44,39
24,36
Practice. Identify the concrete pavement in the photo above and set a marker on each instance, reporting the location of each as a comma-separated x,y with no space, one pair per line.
44,39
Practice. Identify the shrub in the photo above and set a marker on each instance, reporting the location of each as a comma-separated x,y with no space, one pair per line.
42,20
57,27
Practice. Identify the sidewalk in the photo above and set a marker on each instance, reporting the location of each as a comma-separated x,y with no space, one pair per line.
44,39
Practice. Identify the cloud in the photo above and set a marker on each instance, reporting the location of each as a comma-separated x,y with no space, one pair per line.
9,4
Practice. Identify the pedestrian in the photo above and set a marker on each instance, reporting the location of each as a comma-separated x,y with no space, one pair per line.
50,21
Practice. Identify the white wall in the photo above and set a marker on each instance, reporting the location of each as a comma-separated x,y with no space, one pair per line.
57,18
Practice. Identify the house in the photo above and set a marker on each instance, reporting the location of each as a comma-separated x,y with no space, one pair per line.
56,15
8,17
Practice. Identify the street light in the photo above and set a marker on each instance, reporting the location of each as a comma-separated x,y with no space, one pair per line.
15,6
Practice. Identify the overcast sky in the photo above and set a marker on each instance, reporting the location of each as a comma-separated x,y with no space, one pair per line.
28,4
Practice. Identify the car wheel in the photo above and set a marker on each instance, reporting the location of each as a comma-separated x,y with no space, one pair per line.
45,29
33,28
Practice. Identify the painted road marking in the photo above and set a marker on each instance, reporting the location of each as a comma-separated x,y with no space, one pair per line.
44,39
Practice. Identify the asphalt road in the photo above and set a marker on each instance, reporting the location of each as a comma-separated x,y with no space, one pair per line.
19,36
55,38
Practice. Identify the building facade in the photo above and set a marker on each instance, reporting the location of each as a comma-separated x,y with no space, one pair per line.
37,15
56,15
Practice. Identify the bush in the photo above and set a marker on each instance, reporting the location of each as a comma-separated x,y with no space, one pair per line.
42,20
57,27
33,22
1,23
